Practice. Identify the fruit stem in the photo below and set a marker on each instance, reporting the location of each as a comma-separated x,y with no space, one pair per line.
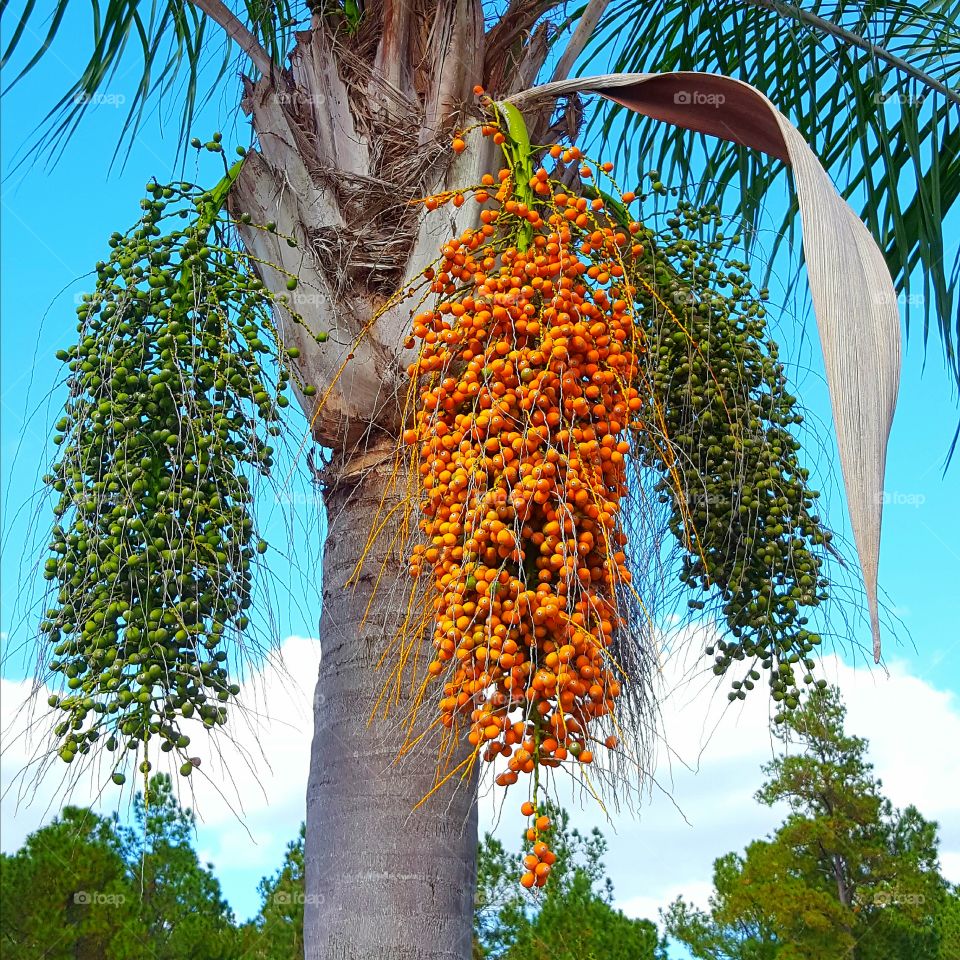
518,154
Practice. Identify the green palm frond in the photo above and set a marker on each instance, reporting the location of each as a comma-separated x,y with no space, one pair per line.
180,52
272,23
873,85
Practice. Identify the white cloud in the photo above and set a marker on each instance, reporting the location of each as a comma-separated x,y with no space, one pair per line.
950,864
248,794
710,771
649,908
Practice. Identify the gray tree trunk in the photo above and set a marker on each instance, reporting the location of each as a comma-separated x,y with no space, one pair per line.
383,880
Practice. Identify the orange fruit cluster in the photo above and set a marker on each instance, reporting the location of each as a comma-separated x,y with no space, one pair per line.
526,379
525,384
539,862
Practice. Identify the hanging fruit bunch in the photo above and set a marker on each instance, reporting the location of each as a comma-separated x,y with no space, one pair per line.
717,429
176,383
571,358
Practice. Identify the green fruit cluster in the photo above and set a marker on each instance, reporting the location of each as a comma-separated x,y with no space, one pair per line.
721,437
176,386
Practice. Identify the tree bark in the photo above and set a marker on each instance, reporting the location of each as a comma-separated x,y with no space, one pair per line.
383,880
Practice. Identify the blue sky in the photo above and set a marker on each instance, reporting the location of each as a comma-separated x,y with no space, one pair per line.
55,222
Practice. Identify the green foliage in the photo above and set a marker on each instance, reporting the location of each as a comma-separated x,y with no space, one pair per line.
846,875
180,900
277,931
66,893
571,919
352,13
86,888
749,935
948,925
177,46
890,134
176,384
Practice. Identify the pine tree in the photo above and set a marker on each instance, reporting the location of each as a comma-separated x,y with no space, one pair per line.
845,877
574,918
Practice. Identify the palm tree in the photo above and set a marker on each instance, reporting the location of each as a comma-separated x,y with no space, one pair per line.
352,107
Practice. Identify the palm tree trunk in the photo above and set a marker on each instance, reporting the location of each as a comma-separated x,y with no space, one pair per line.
383,880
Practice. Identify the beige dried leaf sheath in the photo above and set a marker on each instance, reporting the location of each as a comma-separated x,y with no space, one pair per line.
853,295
